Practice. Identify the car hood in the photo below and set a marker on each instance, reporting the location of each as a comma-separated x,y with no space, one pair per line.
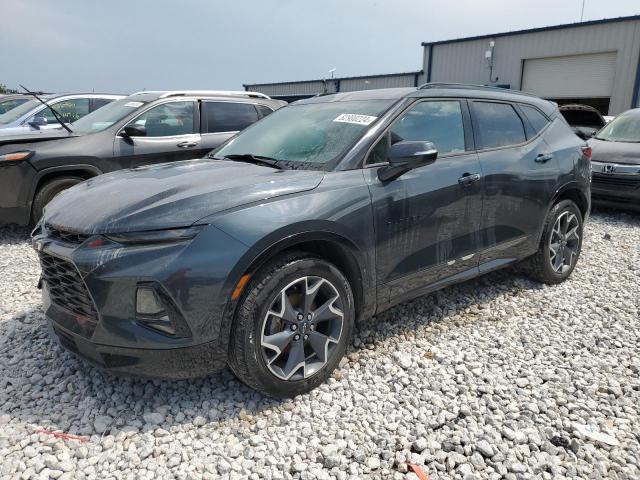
615,152
170,195
20,136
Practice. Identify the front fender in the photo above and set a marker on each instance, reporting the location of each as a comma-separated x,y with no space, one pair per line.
339,211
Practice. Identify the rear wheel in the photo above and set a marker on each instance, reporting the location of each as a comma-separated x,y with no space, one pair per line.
560,245
48,192
293,326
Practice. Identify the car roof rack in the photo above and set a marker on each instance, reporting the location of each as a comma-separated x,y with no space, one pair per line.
470,86
222,93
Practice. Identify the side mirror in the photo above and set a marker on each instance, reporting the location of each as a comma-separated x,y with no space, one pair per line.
38,122
405,156
133,131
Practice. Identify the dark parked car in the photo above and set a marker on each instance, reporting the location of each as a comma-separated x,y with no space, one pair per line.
584,120
33,117
616,162
327,211
144,128
9,102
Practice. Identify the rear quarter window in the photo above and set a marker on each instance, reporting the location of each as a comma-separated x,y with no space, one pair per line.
264,111
537,120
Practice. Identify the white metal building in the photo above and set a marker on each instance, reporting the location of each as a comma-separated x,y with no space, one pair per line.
302,89
595,62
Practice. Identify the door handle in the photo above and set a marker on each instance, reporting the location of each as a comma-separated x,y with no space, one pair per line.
469,178
187,144
544,157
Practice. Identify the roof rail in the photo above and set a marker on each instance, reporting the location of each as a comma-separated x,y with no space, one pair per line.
471,86
233,93
222,93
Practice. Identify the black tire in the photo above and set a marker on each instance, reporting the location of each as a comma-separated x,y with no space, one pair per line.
48,191
541,265
246,351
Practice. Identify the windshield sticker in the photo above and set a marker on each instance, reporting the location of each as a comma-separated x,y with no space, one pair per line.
133,104
355,118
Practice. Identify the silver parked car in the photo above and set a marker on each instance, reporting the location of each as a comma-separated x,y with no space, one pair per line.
33,117
11,101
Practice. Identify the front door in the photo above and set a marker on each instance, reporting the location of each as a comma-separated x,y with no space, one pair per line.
171,134
68,110
427,220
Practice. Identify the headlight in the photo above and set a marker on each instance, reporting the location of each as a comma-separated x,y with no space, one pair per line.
16,156
155,236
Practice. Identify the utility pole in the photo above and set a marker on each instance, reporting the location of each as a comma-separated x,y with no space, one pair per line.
582,13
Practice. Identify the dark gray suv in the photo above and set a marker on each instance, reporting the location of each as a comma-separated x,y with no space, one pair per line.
141,129
329,210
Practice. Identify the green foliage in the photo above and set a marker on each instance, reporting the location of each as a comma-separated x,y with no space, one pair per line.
5,89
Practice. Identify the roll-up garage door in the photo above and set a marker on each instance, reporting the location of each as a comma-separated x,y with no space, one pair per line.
572,76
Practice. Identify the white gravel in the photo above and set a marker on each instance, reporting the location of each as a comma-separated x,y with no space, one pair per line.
496,378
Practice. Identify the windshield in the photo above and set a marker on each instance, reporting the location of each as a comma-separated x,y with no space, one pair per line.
308,136
106,116
625,128
14,114
11,103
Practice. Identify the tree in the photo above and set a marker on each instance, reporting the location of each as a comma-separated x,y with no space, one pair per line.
5,89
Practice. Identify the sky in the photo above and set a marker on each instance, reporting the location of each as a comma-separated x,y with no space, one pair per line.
122,46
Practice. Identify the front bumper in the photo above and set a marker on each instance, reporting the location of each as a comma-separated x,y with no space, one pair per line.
171,364
616,185
16,185
89,290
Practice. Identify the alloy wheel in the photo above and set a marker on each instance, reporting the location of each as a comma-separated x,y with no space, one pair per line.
302,328
564,243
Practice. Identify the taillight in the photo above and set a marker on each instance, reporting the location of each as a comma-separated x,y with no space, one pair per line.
586,151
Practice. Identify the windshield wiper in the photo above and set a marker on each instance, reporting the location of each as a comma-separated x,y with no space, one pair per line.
50,107
256,159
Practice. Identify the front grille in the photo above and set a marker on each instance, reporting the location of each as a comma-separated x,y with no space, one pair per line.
626,182
65,236
66,287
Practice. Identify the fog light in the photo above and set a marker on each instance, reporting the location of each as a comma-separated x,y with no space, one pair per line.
148,303
151,312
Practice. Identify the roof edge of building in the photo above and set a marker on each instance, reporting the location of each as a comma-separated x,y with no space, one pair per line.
534,30
357,77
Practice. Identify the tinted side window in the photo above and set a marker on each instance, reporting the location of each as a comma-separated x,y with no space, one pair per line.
174,118
439,122
100,102
228,117
11,104
537,120
264,111
69,110
499,125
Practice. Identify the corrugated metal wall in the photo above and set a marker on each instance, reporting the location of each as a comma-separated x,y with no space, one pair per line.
347,84
293,88
373,82
465,62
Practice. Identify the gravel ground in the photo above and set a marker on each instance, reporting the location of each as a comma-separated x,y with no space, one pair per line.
496,378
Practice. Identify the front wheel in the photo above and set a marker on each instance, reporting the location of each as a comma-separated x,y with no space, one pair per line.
292,326
48,192
560,245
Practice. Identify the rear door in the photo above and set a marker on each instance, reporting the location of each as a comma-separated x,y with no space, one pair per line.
171,135
519,173
221,120
427,220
